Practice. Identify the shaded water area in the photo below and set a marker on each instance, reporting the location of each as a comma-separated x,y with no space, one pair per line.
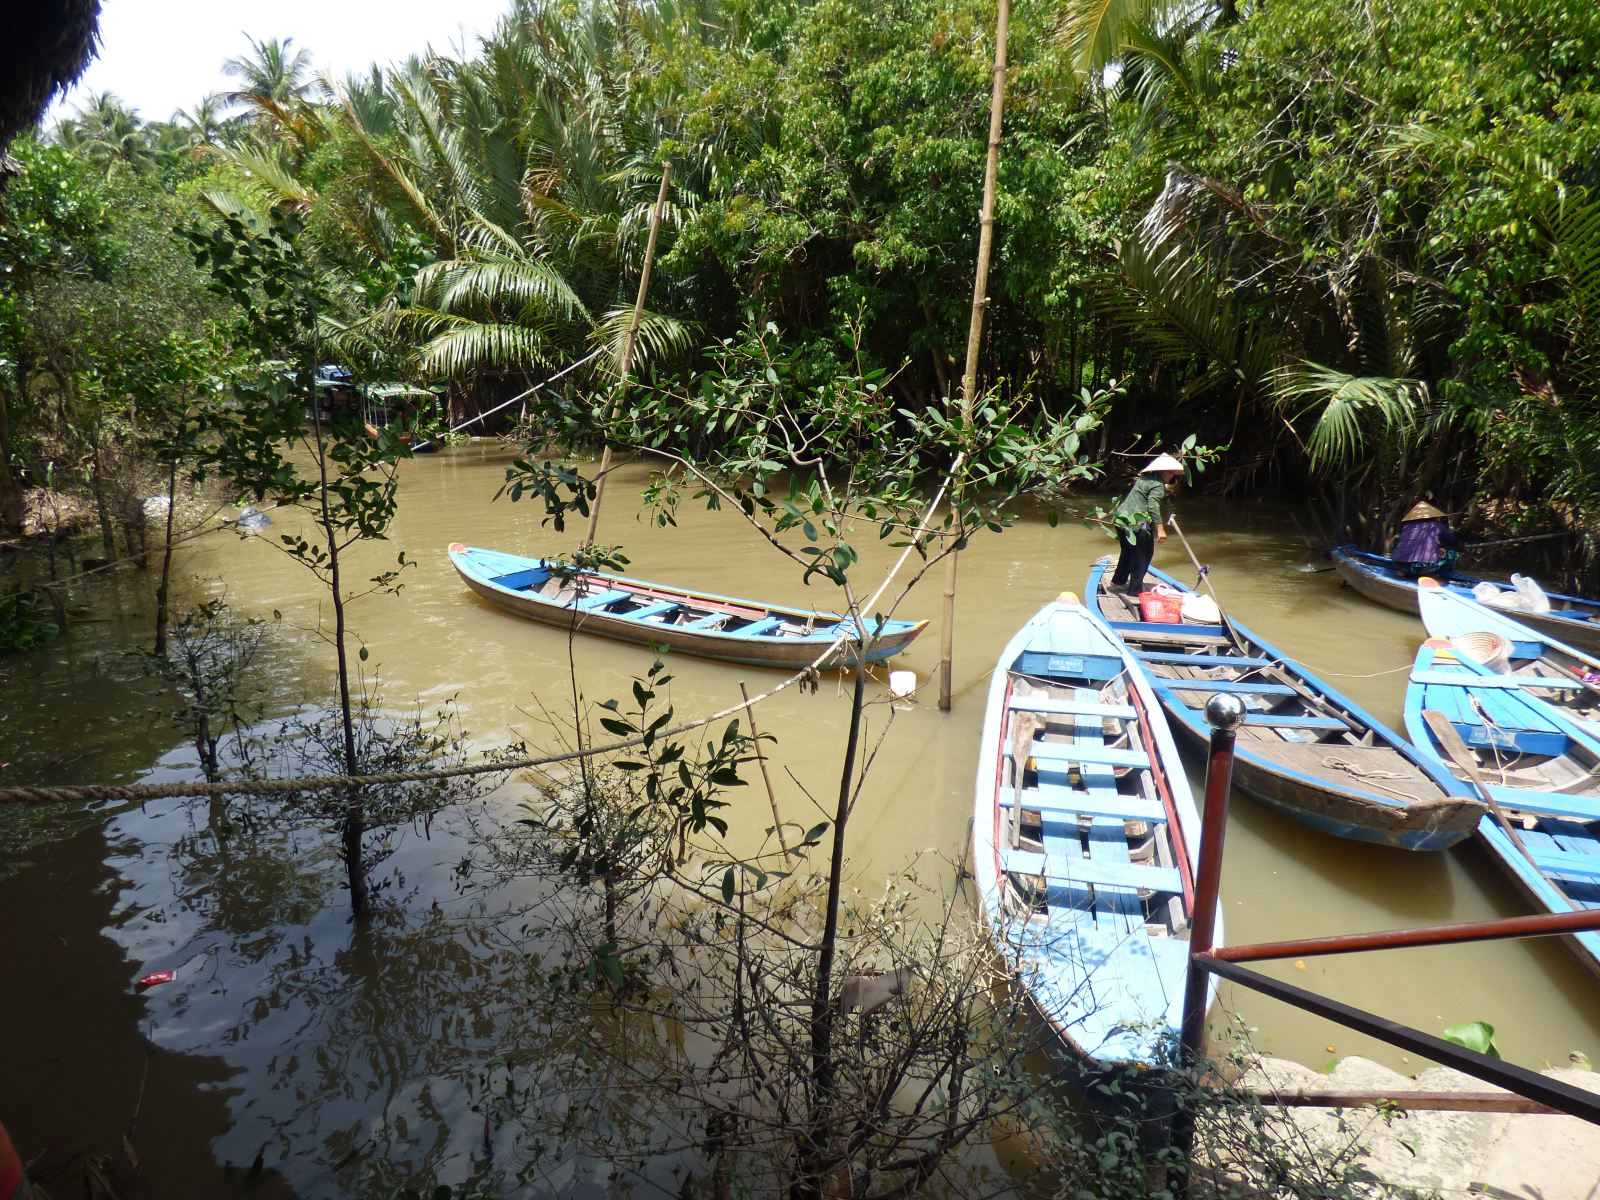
346,1064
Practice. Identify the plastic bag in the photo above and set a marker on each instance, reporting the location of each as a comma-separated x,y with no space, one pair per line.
1202,610
1533,598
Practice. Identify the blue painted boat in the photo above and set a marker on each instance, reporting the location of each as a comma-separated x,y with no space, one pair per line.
1558,674
1303,749
1573,620
1543,769
1082,830
654,614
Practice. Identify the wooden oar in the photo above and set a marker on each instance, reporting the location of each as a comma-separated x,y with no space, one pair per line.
1204,576
1456,749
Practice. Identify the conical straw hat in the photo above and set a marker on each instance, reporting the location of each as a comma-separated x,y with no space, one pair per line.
1421,511
1162,462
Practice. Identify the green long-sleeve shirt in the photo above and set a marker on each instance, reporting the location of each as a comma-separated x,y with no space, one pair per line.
1144,502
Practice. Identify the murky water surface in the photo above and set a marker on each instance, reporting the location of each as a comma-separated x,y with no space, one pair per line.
292,1056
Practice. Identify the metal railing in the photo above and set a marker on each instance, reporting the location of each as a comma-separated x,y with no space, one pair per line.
1538,1093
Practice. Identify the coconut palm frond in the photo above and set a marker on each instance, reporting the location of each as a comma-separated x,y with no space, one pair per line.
660,338
1094,31
230,204
1348,409
460,347
526,283
270,176
418,202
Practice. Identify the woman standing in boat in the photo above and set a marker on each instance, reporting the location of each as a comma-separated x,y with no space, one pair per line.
1139,522
1426,546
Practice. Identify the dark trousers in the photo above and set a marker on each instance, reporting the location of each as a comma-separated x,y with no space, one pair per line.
1138,546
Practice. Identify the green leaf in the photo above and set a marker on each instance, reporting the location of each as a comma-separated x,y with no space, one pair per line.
1474,1035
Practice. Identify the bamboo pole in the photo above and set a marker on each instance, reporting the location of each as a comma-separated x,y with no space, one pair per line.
980,301
626,365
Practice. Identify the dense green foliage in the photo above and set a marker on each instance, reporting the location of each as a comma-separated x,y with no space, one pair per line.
1357,244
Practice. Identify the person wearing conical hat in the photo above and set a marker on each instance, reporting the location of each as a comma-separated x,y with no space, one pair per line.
1426,545
1139,522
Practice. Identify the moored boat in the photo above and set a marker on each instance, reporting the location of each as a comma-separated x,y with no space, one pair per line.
1541,768
1303,749
1082,833
653,614
1558,674
1574,620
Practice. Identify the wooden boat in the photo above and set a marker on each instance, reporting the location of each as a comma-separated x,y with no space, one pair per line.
1303,749
1540,767
1560,675
631,610
1082,830
1571,619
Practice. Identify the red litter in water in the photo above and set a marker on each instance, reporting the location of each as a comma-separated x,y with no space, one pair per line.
154,978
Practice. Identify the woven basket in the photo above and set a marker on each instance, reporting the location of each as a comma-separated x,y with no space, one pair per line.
1491,649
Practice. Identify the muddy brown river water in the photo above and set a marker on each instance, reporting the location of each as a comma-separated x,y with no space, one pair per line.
289,1057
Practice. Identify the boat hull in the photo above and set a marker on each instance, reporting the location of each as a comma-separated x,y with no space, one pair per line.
1075,754
480,573
1573,620
1556,819
1350,791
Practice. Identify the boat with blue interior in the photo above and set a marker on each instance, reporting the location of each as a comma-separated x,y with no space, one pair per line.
1084,831
654,614
1304,749
1541,768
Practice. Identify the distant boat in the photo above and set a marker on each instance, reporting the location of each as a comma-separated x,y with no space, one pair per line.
698,623
1539,766
1571,619
1304,749
1083,831
1560,675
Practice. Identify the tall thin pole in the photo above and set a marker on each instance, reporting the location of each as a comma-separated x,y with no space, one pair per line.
626,365
1225,713
980,301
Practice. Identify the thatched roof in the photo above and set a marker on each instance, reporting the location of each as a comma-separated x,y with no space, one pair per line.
44,46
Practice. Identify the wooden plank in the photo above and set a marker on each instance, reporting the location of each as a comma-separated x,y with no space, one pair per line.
1463,679
1295,722
1057,800
1554,804
1065,753
707,621
1089,871
756,629
1565,865
652,610
1173,629
1244,688
1058,706
1202,660
601,599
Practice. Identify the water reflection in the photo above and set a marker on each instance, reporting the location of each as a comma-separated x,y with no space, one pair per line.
350,1061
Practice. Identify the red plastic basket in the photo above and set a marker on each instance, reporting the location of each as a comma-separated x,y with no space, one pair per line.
1161,609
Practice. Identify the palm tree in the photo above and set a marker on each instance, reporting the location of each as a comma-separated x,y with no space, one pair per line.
274,78
105,130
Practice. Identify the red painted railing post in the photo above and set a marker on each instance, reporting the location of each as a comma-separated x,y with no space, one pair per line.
1224,713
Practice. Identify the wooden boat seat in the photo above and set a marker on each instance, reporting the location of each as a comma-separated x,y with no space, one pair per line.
1203,660
1498,682
757,628
1092,872
1556,804
1243,687
518,581
601,599
1058,800
1294,721
1063,754
1059,706
1173,631
653,610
